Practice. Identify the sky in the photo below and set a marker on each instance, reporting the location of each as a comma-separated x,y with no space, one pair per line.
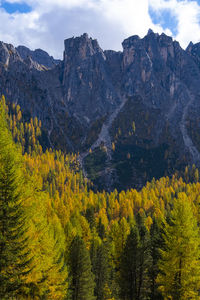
46,23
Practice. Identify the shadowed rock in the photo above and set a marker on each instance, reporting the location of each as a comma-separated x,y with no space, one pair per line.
91,98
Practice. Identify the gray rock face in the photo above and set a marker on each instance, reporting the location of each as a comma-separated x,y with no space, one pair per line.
91,99
8,54
39,56
194,51
88,91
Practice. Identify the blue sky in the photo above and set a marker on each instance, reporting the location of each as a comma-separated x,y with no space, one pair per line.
16,7
46,23
166,19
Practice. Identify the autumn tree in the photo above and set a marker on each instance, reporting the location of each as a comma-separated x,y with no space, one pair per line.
179,276
14,251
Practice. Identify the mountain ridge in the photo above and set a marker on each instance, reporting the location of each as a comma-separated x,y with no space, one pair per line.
89,101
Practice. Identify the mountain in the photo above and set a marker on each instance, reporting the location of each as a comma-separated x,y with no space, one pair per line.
132,115
40,56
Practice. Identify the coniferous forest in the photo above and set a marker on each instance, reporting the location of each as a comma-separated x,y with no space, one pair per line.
61,240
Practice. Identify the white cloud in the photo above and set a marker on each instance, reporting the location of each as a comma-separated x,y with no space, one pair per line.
131,15
187,14
110,21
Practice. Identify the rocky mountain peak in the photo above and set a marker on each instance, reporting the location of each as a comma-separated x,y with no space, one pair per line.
81,48
129,49
8,53
189,47
194,51
84,74
39,56
165,40
157,41
130,42
150,31
93,99
152,46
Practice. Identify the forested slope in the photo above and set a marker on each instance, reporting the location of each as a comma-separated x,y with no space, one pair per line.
61,240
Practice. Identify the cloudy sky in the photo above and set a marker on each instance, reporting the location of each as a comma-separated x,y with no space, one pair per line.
46,23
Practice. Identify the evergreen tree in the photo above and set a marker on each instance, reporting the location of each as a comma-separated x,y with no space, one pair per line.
90,217
100,268
155,246
133,268
14,256
179,276
82,278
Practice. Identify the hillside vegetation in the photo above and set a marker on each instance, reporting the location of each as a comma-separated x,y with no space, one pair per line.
61,240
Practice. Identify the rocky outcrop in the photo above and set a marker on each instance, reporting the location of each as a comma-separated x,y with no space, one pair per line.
140,107
8,54
39,56
88,91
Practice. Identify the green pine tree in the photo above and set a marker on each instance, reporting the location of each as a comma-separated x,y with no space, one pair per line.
155,246
14,256
134,266
179,276
82,279
100,268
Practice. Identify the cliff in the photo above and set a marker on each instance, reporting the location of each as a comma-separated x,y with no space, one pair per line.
137,110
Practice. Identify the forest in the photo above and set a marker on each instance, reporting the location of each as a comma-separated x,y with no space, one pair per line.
61,240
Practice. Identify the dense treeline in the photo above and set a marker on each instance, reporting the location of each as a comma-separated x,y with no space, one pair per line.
60,240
